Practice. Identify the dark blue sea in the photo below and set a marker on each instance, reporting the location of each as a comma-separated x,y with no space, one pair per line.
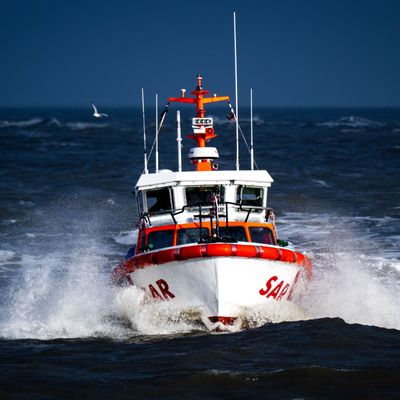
67,217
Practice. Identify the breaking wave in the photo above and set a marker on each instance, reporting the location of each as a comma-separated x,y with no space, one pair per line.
356,274
54,298
31,123
83,126
352,121
35,123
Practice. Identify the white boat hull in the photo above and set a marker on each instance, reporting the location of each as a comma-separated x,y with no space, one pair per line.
221,286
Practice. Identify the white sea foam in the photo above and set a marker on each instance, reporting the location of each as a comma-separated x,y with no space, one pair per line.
6,255
353,290
154,318
68,295
352,121
48,302
20,124
151,317
64,144
8,222
26,203
127,237
53,122
80,126
353,278
321,183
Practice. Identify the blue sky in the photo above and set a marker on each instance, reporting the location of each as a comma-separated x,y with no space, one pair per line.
292,53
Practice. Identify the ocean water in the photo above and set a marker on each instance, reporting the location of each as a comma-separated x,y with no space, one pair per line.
67,217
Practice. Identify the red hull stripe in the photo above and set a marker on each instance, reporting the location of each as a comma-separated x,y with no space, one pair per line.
164,256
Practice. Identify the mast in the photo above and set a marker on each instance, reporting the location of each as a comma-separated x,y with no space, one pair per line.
203,131
179,139
251,131
144,135
236,92
156,132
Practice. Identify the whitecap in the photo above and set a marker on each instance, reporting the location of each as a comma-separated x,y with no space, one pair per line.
20,124
52,122
352,121
64,144
26,203
8,222
80,126
321,183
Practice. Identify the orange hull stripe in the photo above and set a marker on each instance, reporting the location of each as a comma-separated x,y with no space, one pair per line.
164,256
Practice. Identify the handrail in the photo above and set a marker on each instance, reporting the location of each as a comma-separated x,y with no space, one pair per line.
242,207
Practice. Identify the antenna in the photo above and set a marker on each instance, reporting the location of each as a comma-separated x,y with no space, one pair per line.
179,139
144,135
236,92
251,130
156,132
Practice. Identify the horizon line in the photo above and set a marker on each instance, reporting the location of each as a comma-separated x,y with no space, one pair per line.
70,106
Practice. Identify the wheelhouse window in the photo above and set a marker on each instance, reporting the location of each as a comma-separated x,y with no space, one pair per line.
236,232
160,239
261,235
250,196
159,200
203,195
191,235
139,201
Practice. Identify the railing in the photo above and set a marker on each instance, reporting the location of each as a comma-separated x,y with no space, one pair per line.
212,213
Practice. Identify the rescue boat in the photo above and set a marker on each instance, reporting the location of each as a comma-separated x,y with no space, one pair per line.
207,240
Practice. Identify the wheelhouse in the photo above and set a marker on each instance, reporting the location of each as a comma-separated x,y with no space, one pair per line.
167,191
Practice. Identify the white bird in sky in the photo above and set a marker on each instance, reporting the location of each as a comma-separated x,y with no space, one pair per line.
97,114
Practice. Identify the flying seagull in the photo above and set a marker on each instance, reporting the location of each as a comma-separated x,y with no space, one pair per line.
97,114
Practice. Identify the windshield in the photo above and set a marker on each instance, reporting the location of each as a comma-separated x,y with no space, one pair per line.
250,196
236,232
261,235
191,235
160,239
158,200
203,194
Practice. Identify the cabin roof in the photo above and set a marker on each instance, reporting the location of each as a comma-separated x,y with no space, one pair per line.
169,178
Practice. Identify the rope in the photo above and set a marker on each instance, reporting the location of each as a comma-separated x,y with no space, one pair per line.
163,114
232,118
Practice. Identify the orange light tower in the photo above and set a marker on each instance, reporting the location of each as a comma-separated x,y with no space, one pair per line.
203,129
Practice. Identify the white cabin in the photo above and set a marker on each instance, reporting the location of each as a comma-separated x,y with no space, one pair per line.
174,197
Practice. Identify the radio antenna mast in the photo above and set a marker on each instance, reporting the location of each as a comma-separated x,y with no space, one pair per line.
236,92
179,139
144,135
156,132
251,131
